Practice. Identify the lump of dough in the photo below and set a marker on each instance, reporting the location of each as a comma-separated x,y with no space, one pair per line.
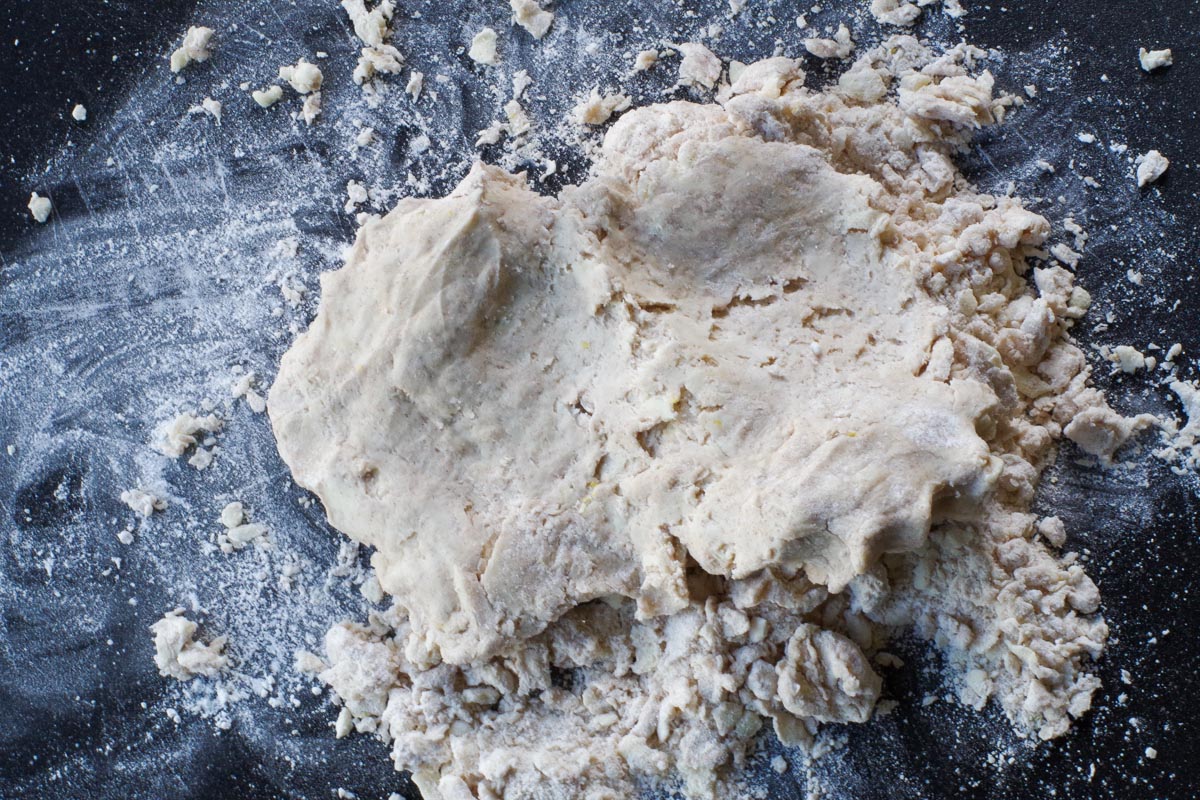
526,403
195,47
177,655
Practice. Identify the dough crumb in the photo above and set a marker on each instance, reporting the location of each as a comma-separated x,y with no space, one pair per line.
311,108
302,76
371,27
840,46
243,387
143,502
895,12
699,66
375,61
1150,167
208,106
79,113
644,60
39,207
178,655
195,48
483,48
269,96
1155,59
238,532
532,17
175,436
416,81
597,109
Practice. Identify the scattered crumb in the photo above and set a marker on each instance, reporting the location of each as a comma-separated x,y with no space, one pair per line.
311,108
416,80
269,96
195,47
840,46
532,17
208,106
39,207
483,48
79,113
895,12
303,76
1155,59
178,655
597,109
645,60
143,502
1150,167
699,67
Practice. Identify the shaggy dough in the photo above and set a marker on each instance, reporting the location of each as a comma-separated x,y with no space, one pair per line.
767,387
178,655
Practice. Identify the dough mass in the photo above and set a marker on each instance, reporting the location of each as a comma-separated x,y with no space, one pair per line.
703,432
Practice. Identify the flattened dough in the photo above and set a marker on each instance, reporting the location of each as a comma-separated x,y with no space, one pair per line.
705,352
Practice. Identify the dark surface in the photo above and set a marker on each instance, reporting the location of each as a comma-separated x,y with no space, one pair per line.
72,720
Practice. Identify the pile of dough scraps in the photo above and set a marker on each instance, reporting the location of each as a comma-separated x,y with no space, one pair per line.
671,457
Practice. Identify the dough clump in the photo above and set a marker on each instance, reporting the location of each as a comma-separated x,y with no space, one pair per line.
177,655
674,454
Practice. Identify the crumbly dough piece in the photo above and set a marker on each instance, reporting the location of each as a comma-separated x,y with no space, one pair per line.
1150,167
370,26
698,66
1155,59
195,47
840,46
304,77
178,655
79,113
143,502
895,12
269,96
598,109
704,432
483,48
646,59
532,17
39,207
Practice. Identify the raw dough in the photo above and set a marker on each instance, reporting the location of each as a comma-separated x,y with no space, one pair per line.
597,109
194,47
1155,59
269,96
178,655
532,17
39,207
702,432
1150,167
483,48
303,76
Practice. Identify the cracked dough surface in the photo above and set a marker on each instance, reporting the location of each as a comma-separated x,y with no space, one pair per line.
545,400
705,430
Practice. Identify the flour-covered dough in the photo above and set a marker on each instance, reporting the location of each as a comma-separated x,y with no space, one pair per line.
704,429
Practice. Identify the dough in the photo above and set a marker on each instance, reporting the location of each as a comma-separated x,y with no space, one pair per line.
178,655
194,48
702,431
532,17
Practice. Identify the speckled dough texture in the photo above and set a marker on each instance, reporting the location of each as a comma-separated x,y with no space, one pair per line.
702,433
